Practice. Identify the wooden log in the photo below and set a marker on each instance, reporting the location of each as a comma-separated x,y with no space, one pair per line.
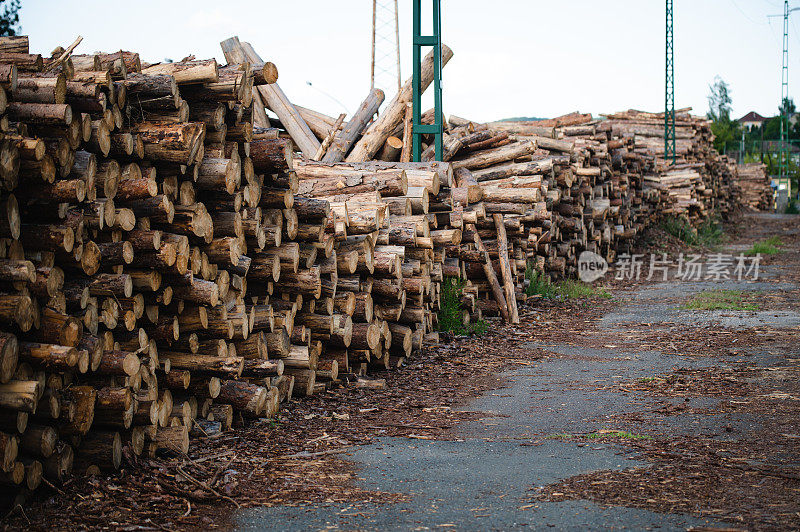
345,139
496,155
20,395
39,440
508,279
245,397
49,356
41,113
304,380
488,270
206,365
99,451
9,355
121,363
275,99
14,477
326,142
271,156
185,72
405,154
9,447
41,89
174,439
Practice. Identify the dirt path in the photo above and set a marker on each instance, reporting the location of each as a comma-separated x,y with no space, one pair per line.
603,413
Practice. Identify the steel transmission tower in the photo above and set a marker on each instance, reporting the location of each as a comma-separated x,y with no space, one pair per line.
385,64
669,93
783,161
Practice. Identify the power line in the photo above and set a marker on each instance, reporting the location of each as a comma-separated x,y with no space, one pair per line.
795,34
745,15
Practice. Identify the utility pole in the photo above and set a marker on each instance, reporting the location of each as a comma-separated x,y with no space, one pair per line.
385,56
783,147
783,161
741,149
434,41
669,92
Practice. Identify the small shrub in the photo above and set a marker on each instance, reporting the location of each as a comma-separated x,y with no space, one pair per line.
622,434
540,285
791,208
680,228
450,312
765,247
708,234
478,328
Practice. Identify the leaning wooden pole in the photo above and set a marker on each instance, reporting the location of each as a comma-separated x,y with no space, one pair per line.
505,267
488,270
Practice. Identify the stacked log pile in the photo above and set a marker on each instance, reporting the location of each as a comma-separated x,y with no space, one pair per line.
143,227
754,185
174,258
169,267
700,181
538,194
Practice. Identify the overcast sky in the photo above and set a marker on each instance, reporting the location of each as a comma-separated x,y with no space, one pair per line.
512,57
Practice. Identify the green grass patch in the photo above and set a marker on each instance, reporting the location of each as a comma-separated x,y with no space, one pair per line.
719,300
765,247
708,234
571,289
539,285
620,434
601,434
558,436
451,315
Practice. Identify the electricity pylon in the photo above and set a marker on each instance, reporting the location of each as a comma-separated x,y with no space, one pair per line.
385,64
669,92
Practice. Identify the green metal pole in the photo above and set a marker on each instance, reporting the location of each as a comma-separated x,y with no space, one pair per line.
669,91
784,153
435,42
437,79
416,150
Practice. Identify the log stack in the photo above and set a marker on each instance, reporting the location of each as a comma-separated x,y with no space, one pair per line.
701,182
171,268
754,185
138,207
538,194
184,248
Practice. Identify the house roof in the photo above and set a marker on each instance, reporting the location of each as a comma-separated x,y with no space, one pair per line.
752,116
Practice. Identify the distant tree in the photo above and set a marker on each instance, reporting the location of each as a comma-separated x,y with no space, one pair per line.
727,132
772,126
9,17
719,101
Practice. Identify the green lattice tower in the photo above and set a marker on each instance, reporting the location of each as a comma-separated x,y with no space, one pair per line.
435,41
669,92
783,155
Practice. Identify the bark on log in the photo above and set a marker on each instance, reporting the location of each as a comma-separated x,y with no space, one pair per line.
345,139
